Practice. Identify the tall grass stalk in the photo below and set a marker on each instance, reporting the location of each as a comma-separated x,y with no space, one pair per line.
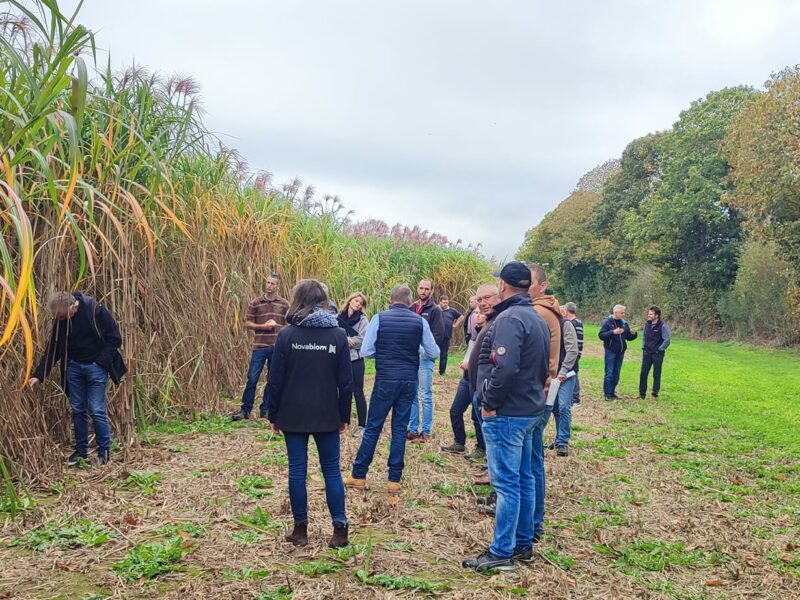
110,183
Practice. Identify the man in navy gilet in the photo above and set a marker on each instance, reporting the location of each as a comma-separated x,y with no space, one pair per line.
397,338
654,343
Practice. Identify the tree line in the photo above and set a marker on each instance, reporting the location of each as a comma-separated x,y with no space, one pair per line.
702,219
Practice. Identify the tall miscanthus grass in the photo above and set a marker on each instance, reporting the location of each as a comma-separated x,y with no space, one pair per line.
111,184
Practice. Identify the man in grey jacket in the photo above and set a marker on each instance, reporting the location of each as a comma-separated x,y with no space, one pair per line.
512,370
567,366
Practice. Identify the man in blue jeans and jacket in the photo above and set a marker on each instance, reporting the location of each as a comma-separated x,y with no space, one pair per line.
86,341
398,339
615,333
512,369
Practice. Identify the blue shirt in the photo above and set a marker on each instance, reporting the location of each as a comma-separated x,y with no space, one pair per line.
428,350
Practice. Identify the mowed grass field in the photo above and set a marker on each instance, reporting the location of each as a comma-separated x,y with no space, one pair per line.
695,495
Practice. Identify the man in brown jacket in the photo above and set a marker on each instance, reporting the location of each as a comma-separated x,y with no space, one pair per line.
266,315
550,311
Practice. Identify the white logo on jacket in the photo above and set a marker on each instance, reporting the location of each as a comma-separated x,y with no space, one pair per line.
313,346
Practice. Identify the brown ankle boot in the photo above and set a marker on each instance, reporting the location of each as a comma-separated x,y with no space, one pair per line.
299,535
339,538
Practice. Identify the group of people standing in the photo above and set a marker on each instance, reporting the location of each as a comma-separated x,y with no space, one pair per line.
521,366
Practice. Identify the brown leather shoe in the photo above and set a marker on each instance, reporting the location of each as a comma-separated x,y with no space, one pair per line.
393,487
354,483
340,537
299,535
411,436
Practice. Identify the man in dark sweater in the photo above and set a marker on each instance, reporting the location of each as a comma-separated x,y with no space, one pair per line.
512,370
426,308
399,340
615,333
655,342
85,340
452,319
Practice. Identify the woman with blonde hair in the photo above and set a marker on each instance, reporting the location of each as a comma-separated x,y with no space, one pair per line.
354,322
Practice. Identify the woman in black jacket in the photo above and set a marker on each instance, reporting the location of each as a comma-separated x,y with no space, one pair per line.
354,322
310,385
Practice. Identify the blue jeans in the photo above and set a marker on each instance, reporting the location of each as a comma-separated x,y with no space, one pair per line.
509,450
424,394
613,367
564,415
398,397
87,395
537,466
328,450
259,358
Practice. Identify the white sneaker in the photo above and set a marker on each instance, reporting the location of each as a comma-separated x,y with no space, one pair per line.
358,431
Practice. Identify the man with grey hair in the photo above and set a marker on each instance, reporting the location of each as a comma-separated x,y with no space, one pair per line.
85,341
398,339
615,334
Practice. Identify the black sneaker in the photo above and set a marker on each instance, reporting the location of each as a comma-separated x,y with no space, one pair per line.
576,402
562,450
75,458
608,398
240,416
552,446
537,537
487,500
263,415
524,555
654,396
489,509
476,455
103,457
454,448
487,562
615,397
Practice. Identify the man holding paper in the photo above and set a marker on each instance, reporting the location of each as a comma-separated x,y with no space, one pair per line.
565,382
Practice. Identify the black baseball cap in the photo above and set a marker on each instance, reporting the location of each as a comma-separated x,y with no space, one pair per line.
516,274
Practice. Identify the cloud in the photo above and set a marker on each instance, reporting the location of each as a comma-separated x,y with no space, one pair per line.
468,118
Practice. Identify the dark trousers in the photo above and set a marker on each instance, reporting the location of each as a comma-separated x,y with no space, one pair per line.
461,402
613,362
328,450
358,391
443,349
655,360
259,358
394,396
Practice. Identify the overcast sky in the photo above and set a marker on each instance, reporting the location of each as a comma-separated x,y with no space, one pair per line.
472,119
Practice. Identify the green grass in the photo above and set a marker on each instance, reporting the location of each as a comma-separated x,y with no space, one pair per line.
64,533
434,459
729,396
145,561
319,566
656,555
145,482
254,486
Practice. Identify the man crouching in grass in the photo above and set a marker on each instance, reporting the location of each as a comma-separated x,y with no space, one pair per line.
86,341
512,369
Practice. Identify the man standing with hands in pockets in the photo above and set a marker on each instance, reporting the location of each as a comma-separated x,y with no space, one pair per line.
266,315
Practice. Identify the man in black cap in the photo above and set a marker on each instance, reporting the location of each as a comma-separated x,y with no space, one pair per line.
512,369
